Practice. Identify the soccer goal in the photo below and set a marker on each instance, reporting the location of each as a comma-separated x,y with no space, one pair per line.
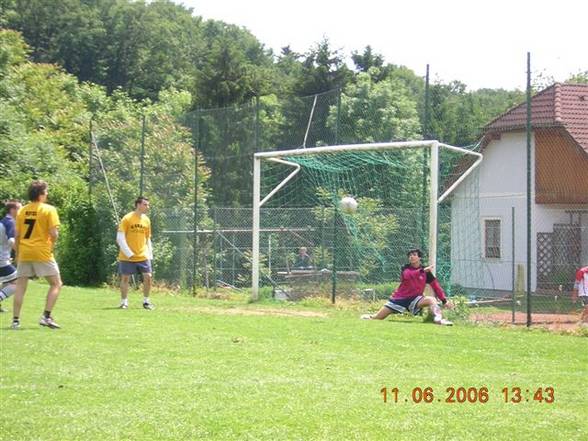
403,192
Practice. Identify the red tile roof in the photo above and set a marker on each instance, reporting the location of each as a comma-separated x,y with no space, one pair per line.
561,105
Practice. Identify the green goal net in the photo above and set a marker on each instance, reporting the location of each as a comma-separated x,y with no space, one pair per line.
420,194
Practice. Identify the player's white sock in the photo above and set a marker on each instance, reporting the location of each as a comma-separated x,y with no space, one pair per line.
146,300
7,291
436,313
124,302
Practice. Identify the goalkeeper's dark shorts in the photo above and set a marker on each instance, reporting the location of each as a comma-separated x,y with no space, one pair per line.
408,304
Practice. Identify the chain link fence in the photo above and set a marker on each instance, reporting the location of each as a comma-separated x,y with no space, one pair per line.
197,171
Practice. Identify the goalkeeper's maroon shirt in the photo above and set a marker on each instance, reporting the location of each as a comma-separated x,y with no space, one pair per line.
413,281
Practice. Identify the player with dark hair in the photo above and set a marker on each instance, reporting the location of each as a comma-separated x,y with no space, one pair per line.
409,294
37,229
7,239
136,251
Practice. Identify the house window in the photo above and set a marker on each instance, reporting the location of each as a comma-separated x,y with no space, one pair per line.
492,238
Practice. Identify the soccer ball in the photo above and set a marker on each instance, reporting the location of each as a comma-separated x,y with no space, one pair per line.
348,205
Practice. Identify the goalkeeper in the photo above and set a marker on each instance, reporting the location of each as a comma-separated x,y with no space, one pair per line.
409,294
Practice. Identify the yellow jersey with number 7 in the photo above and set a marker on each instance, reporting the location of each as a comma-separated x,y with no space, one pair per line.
33,223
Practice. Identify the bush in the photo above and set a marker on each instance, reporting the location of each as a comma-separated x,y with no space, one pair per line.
79,248
461,310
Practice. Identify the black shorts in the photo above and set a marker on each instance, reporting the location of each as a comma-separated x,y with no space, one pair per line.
400,306
129,268
7,274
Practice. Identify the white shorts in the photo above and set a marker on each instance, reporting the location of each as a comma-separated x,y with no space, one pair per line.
37,269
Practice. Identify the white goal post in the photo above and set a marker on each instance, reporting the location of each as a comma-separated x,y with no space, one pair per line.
276,156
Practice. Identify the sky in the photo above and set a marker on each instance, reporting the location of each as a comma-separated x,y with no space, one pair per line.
480,43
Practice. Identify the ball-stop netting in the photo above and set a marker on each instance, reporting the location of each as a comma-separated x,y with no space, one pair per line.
365,249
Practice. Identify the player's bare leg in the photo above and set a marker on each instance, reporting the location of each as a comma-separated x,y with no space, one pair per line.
147,281
124,291
380,315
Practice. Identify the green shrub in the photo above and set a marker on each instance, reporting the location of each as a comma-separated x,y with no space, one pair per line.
79,248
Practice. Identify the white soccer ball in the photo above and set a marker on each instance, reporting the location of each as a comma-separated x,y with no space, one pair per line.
348,205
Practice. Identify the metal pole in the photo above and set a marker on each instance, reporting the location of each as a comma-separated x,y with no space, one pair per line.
214,273
338,116
195,220
256,134
433,204
255,228
91,152
425,155
334,273
513,264
426,113
528,189
322,234
142,157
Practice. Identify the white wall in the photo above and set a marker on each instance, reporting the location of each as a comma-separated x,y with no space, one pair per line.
503,185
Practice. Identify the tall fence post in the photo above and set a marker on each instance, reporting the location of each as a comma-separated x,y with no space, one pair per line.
256,133
141,177
334,272
338,116
529,189
514,290
195,214
90,153
426,135
214,240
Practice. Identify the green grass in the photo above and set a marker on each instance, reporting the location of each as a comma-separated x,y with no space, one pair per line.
229,370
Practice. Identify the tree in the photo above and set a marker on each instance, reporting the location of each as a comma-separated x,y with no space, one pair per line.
233,68
376,111
578,78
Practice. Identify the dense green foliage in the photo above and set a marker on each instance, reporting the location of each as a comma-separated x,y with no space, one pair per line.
45,120
153,77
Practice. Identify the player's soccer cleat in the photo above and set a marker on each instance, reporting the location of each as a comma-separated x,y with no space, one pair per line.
15,325
366,317
49,322
124,306
148,305
443,322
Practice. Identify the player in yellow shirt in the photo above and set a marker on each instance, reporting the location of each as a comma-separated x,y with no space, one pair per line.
134,239
37,229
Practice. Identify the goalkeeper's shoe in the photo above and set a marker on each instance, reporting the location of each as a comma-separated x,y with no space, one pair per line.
443,322
49,322
148,305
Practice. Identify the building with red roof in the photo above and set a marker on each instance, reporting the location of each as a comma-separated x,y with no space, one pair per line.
559,191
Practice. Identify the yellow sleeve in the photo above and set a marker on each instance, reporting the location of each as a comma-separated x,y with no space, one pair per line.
124,225
53,218
17,224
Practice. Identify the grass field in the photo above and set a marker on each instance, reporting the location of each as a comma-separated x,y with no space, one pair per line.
228,370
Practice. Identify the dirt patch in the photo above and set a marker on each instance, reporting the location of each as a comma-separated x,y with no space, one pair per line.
555,322
259,312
